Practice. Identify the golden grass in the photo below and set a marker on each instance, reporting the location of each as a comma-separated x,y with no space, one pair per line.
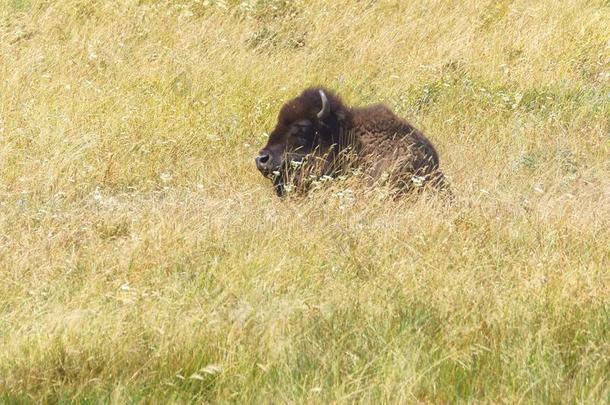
143,258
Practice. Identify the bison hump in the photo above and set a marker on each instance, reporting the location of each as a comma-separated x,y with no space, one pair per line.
378,119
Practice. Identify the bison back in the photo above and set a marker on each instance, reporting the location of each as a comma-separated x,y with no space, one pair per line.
391,147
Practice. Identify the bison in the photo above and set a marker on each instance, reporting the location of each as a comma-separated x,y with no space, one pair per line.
316,136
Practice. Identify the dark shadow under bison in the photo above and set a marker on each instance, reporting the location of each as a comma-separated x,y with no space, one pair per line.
316,135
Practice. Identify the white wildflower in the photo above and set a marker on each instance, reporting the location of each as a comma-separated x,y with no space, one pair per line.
295,164
97,195
165,177
418,180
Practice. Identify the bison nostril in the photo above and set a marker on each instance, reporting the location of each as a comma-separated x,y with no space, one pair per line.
263,157
262,160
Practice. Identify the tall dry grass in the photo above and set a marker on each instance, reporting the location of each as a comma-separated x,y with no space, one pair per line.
143,258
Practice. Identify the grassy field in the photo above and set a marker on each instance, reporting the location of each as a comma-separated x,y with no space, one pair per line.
143,257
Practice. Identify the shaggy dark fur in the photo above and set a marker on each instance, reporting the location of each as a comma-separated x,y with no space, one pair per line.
384,146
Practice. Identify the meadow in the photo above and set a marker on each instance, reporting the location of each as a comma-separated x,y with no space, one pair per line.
144,259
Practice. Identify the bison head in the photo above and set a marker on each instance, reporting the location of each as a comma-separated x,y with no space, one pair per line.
307,134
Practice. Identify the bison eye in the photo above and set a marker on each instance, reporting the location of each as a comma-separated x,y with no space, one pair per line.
304,139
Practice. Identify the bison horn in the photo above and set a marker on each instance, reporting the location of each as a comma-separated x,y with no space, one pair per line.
325,111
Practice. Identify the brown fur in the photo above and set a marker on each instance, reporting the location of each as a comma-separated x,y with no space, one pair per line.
371,138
